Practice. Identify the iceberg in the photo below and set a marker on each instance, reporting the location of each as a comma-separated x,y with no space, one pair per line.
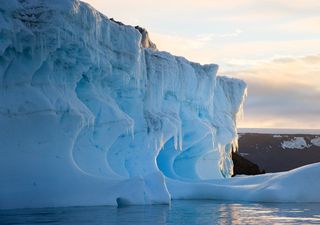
92,113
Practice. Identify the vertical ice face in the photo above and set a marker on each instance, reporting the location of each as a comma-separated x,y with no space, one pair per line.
92,113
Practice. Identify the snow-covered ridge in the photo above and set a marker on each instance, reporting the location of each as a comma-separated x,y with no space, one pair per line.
280,131
300,143
92,113
316,141
277,136
295,143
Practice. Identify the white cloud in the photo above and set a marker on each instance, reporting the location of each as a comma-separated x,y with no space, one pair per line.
213,36
283,92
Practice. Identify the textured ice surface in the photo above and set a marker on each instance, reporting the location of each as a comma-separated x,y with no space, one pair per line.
298,185
92,113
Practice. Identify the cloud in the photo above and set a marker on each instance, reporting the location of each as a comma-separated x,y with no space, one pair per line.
213,36
309,24
240,10
211,48
283,92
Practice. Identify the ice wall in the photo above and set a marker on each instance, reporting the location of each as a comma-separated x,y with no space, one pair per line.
92,113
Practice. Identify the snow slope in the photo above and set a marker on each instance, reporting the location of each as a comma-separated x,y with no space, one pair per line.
92,113
298,185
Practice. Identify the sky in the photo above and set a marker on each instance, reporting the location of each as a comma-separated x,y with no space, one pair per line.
274,45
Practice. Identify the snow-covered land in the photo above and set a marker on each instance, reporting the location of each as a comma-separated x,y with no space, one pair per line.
278,131
316,141
295,143
277,136
300,143
91,113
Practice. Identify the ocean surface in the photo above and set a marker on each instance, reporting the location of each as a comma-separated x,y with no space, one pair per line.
179,212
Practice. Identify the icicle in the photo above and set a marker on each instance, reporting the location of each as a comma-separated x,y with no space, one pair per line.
213,135
58,38
161,142
180,136
240,114
235,144
132,130
175,140
155,144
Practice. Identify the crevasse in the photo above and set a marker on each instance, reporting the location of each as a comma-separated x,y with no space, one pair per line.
91,113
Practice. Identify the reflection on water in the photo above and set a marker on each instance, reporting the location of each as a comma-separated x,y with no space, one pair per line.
179,212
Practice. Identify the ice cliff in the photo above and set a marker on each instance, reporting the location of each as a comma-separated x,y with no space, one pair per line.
92,113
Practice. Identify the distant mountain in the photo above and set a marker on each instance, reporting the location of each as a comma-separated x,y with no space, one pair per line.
243,166
280,152
278,131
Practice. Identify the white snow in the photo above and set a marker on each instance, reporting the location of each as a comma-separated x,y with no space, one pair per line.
316,141
298,185
295,143
90,116
277,136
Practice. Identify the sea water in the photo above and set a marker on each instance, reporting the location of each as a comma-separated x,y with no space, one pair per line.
179,212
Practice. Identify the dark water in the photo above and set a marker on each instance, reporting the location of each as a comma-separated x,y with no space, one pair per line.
179,212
